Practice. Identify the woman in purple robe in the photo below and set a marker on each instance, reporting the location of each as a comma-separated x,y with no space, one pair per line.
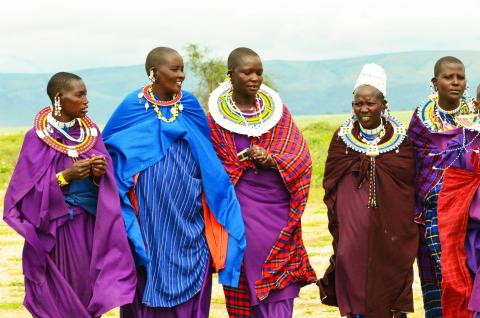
444,131
370,197
268,161
63,200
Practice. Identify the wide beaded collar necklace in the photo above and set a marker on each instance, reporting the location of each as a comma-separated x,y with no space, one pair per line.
45,124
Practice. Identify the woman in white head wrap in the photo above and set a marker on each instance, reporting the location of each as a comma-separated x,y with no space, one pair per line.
369,193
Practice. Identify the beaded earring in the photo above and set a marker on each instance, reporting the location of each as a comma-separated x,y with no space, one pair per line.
151,77
466,95
386,113
353,117
57,108
228,80
433,88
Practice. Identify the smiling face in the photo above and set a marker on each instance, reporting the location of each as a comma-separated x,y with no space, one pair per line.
450,84
247,76
169,76
368,105
73,100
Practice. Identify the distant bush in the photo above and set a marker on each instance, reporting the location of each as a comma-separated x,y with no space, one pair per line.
318,136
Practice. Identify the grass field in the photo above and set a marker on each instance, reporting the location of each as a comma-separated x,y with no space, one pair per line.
317,130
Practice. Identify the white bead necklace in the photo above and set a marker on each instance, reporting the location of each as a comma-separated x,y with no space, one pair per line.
60,126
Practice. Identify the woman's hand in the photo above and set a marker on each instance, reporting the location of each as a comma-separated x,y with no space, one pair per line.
99,165
79,170
261,157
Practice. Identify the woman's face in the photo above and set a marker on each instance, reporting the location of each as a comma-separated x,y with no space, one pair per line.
169,75
74,101
368,106
450,82
247,76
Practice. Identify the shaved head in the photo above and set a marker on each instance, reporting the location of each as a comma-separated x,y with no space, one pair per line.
445,60
234,58
59,82
157,56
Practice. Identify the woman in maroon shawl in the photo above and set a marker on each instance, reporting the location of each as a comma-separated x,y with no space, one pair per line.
369,193
63,200
269,163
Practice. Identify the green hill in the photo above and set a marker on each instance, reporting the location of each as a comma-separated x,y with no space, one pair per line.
307,87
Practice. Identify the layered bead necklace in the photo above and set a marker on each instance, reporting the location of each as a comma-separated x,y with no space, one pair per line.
256,112
368,142
45,124
265,113
175,104
447,117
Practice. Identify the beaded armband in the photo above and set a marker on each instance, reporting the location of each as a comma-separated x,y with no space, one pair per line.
61,180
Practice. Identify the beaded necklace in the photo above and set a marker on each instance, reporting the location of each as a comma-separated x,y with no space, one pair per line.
257,109
267,111
368,142
43,128
437,119
57,125
175,104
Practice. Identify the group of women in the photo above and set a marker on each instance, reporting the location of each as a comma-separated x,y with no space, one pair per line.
141,218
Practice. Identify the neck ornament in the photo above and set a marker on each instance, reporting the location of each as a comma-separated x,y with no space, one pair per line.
266,113
175,104
438,120
45,124
372,147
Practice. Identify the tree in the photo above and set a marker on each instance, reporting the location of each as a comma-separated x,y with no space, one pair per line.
209,71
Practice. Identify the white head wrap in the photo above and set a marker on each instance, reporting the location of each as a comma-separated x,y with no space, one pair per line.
373,75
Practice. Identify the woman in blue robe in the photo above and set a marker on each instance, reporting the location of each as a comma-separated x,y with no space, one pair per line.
169,180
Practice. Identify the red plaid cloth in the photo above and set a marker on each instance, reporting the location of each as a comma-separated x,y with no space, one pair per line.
452,222
287,262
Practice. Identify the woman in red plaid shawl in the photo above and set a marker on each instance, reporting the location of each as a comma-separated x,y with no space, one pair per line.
268,161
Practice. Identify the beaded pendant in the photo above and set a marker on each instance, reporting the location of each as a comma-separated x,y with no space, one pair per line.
43,131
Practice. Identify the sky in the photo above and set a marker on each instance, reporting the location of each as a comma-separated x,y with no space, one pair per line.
41,36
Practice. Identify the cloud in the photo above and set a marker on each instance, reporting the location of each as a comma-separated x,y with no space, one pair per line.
49,35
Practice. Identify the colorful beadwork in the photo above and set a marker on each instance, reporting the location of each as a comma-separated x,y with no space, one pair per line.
372,149
43,132
436,120
268,111
176,106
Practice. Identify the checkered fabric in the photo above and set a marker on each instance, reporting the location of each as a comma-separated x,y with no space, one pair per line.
432,238
453,216
287,262
427,176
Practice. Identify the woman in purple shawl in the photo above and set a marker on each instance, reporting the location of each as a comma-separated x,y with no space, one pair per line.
444,131
63,200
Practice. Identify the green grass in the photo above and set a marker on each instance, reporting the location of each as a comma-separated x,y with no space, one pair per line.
318,131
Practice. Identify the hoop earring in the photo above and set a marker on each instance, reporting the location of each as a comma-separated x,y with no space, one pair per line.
433,88
57,107
151,77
